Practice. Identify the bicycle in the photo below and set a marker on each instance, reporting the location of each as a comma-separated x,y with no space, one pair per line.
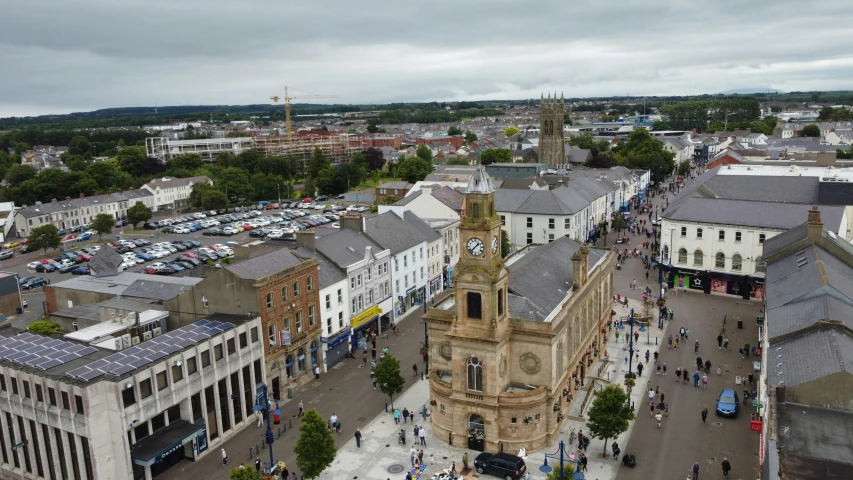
572,436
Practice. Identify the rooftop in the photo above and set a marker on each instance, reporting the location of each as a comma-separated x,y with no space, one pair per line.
748,213
263,266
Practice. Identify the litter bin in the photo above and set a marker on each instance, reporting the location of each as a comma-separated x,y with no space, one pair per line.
739,323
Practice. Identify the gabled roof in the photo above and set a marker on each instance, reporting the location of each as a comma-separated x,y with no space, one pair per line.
263,266
329,273
450,197
427,232
174,182
811,356
748,214
105,262
392,232
157,290
346,246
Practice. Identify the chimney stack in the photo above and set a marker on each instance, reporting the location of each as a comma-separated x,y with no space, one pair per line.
577,267
815,224
305,238
82,195
353,220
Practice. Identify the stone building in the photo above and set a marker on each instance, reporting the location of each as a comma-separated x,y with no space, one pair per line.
502,348
552,147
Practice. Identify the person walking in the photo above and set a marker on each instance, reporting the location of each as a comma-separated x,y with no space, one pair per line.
647,356
405,414
677,374
704,414
431,460
664,369
415,368
224,457
726,467
705,381
316,372
659,419
258,464
726,343
301,409
422,436
696,378
421,456
696,471
720,341
358,437
583,462
465,461
640,369
260,419
396,416
651,395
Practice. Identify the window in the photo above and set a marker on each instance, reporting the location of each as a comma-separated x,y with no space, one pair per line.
177,373
329,326
551,223
720,260
761,238
760,265
329,301
698,258
300,359
721,235
474,306
269,301
475,375
682,255
14,382
309,284
397,285
529,238
501,301
298,322
340,296
567,223
683,231
314,349
476,210
665,253
271,334
145,388
287,324
232,347
128,397
192,366
162,381
217,352
3,382
244,340
205,359
422,272
354,302
27,389
39,393
406,260
737,262
529,222
550,237
503,220
254,334
66,402
737,237
340,319
283,294
311,315
78,404
422,253
396,265
698,233
296,289
288,365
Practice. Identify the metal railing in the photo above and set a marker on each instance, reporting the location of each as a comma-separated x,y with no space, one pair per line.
603,367
586,400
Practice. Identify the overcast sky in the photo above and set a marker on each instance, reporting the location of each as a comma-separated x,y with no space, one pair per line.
60,56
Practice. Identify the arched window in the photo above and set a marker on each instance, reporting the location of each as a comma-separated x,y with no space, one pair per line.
300,359
720,260
665,253
476,210
288,363
737,262
682,255
314,352
698,258
760,265
269,300
475,374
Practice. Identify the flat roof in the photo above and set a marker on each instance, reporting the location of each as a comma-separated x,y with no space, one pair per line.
117,284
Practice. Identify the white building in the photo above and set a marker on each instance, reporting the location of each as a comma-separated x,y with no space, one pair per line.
334,310
73,411
171,192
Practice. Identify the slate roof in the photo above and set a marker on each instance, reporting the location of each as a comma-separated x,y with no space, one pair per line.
427,232
409,198
397,185
543,277
748,214
450,197
265,265
31,211
801,190
174,182
329,273
814,355
346,246
779,242
392,232
524,183
105,262
559,201
156,289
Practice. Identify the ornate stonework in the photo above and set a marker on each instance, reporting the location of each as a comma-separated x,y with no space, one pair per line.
530,363
552,147
445,350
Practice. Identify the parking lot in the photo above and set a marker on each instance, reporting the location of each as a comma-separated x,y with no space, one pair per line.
158,251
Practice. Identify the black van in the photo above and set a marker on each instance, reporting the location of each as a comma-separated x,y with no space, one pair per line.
510,467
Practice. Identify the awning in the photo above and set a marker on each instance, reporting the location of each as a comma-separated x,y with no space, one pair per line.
155,448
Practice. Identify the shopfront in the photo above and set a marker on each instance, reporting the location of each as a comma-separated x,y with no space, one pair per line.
168,446
743,286
337,347
435,286
363,325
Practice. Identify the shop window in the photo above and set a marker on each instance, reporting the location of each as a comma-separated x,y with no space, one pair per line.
300,359
682,255
289,366
737,262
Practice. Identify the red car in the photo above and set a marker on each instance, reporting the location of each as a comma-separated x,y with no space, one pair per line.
45,261
189,255
25,241
85,255
276,205
307,200
269,206
149,270
247,227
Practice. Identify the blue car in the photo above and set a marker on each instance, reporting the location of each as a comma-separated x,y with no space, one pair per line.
81,271
727,403
34,283
178,268
45,267
193,243
84,236
144,256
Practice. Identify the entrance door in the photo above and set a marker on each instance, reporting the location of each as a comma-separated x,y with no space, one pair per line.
476,433
276,388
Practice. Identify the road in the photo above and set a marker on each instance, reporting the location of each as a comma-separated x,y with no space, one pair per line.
669,453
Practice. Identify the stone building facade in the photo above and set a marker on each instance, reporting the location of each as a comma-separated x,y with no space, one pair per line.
504,346
552,146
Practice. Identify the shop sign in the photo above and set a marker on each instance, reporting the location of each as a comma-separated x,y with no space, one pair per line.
696,283
735,288
718,285
285,338
365,316
756,425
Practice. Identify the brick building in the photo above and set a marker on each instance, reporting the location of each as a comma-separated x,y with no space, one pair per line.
455,140
377,141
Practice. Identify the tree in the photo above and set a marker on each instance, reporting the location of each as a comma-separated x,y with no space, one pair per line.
244,473
684,168
44,237
186,161
506,246
568,470
80,145
197,193
660,125
44,327
644,152
371,126
318,163
609,414
510,131
470,136
496,155
617,222
138,213
375,159
315,449
454,130
811,131
389,200
235,183
18,174
131,159
103,224
213,200
588,142
424,152
458,161
414,169
388,377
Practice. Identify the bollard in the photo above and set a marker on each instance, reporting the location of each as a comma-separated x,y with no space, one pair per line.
279,433
257,448
632,404
386,407
656,340
285,428
250,453
290,423
422,375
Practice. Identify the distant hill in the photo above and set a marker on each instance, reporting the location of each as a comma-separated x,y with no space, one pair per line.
750,90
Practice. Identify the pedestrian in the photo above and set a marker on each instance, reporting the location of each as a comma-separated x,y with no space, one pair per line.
707,366
396,416
696,347
659,419
258,464
423,412
664,369
432,460
413,454
656,357
661,397
284,473
696,379
751,378
640,369
224,457
718,371
726,467
415,368
652,409
422,435
358,437
374,382
705,381
726,343
316,372
301,408
651,395
704,414
260,418
465,461
617,337
720,341
405,414
636,336
677,374
583,462
669,342
421,457
696,471
647,356
681,332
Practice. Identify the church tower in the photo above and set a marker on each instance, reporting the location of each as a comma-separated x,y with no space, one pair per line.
552,147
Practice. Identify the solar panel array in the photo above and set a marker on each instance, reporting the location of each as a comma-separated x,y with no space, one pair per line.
41,352
140,355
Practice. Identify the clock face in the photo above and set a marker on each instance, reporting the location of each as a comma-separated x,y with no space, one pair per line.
494,244
475,246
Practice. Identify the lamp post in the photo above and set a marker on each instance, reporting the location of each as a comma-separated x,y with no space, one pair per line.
545,468
425,343
631,342
262,404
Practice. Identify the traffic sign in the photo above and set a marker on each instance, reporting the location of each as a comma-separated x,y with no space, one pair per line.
19,445
757,405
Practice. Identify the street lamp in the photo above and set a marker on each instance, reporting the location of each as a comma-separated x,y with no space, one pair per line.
262,405
631,342
545,468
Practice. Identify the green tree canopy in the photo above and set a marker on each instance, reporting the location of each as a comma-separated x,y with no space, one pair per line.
413,169
389,200
617,222
44,237
388,377
510,131
103,224
811,131
609,414
568,470
18,174
186,161
213,200
470,136
457,161
506,246
244,473
496,155
684,168
315,449
197,192
138,213
319,162
588,142
454,130
644,152
424,152
235,183
660,125
44,327
131,160
80,145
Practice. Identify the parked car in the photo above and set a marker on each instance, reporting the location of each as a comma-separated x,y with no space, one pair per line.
727,403
6,254
84,270
67,268
46,267
34,282
189,255
24,249
10,244
167,270
505,465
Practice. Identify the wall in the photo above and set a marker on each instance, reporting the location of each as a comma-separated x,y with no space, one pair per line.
58,298
515,225
832,391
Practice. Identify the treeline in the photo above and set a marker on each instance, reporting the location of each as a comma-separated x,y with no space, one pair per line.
700,114
100,142
841,114
420,115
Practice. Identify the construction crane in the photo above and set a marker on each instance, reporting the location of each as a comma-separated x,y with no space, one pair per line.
287,98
